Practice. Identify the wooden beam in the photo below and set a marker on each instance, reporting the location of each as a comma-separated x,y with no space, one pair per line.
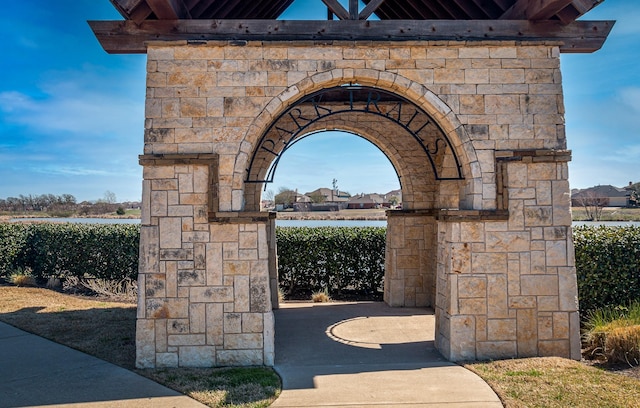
169,9
534,10
369,9
337,9
136,10
124,37
353,9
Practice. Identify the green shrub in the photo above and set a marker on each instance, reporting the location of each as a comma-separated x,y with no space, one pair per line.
106,251
13,238
608,266
331,258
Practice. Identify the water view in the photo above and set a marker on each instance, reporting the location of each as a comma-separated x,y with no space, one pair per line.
296,223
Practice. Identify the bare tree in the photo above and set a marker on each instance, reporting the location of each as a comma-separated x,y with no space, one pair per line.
593,203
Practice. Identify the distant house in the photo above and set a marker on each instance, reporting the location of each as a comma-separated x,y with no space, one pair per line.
365,201
393,198
329,195
606,195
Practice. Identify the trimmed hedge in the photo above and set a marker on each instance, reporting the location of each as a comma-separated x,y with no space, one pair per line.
106,251
608,266
310,259
13,238
330,258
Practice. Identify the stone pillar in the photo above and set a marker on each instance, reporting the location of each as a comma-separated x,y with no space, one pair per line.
410,258
507,287
204,280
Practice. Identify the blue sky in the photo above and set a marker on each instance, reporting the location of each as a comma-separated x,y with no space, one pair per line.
71,115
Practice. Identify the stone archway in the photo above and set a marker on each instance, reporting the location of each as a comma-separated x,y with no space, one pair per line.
490,247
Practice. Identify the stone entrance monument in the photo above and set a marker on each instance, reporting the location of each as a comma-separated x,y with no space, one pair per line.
464,98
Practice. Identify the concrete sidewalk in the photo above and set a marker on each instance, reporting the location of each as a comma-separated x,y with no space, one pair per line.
367,354
38,372
328,355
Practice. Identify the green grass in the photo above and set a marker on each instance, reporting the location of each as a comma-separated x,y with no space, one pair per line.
248,387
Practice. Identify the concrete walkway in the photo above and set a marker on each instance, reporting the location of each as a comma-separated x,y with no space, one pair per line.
38,372
368,355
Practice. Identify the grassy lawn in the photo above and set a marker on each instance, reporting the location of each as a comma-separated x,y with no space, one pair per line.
608,214
107,330
553,382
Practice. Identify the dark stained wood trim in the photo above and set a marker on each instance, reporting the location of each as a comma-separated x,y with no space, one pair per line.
337,9
370,9
535,10
127,37
169,9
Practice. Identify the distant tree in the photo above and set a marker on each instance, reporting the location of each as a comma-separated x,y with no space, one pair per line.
393,200
317,198
286,197
110,197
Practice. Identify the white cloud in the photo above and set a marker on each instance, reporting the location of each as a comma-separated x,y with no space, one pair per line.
70,108
630,96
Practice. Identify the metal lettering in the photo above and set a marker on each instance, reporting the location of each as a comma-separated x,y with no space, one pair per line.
399,106
273,147
299,116
317,107
374,101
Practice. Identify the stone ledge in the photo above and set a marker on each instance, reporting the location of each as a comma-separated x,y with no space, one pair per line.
454,215
176,159
534,156
240,217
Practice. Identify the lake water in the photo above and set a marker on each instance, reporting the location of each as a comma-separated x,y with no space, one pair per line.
295,223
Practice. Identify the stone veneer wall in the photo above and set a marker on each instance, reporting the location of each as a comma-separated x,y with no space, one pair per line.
502,262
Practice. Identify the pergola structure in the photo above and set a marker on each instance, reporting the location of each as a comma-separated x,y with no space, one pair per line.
399,20
463,96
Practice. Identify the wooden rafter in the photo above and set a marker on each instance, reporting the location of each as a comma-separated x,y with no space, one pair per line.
129,37
370,9
337,9
169,9
535,10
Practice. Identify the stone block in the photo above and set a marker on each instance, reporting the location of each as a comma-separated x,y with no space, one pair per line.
462,338
527,333
197,356
223,232
186,340
501,329
507,241
492,350
472,306
558,348
215,323
239,357
488,263
166,360
167,308
556,253
170,232
472,287
245,341
145,344
497,296
539,285
217,294
236,268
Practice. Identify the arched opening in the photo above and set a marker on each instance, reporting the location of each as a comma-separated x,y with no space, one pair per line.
423,156
335,170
